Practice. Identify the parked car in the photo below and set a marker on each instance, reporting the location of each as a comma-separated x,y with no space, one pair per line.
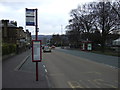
47,49
43,46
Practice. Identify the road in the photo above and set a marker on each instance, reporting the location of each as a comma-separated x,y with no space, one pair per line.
65,70
60,69
105,59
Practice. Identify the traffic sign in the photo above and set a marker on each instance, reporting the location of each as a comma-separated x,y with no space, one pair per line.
30,12
30,17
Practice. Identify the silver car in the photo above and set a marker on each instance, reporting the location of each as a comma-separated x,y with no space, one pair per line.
47,49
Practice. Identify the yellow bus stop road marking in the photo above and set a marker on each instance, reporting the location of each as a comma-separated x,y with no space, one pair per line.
96,83
75,84
104,83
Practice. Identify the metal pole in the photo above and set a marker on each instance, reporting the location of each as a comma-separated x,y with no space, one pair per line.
36,26
61,36
36,39
36,71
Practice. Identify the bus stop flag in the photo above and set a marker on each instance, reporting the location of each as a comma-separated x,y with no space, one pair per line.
30,17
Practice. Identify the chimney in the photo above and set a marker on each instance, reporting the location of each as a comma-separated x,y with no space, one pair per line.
5,25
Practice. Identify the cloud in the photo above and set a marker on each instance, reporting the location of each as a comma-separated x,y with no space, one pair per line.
51,13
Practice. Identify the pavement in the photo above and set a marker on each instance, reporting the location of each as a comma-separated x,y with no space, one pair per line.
19,72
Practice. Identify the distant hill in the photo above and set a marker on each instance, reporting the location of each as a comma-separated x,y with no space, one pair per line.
41,37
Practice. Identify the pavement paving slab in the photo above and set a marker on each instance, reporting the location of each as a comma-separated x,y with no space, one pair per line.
16,76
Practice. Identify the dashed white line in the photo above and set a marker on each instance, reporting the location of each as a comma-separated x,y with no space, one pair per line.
45,70
44,66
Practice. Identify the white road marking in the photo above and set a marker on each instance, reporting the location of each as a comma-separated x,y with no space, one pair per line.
44,66
83,83
74,84
45,70
93,84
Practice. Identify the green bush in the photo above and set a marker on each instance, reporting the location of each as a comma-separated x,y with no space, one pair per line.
8,48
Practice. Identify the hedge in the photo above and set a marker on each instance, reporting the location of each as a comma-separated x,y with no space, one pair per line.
8,48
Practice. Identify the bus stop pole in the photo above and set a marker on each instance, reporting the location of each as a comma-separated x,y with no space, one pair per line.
36,71
36,27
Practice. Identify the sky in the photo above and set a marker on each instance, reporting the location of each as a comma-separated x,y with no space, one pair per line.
53,15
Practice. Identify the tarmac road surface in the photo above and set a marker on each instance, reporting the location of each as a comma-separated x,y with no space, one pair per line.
59,69
65,70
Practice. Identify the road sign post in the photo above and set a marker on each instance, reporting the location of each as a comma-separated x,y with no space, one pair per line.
31,20
36,54
36,27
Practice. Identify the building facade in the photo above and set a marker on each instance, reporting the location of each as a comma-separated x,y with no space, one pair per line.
11,34
8,32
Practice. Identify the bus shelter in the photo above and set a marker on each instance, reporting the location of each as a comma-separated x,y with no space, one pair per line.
86,45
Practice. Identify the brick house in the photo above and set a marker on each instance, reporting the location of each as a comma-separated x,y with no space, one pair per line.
8,32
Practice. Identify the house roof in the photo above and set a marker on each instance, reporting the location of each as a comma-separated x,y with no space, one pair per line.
117,40
9,25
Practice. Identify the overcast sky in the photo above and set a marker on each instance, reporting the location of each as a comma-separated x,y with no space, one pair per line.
51,13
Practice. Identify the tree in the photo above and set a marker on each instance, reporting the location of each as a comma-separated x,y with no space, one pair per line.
56,40
92,17
116,8
82,22
106,20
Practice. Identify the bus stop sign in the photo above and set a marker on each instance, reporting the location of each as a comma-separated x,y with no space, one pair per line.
36,51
